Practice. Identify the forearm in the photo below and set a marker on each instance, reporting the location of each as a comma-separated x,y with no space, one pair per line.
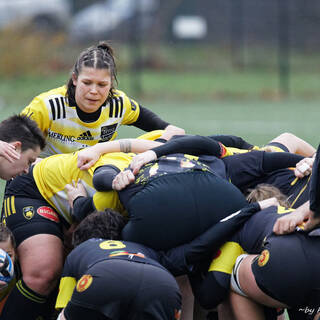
195,145
181,259
125,145
207,243
82,206
232,141
103,177
279,160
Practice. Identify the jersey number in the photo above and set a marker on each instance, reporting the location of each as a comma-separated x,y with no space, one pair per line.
112,244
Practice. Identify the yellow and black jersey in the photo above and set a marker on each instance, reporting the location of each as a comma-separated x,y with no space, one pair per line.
52,174
179,260
270,147
65,132
249,239
93,251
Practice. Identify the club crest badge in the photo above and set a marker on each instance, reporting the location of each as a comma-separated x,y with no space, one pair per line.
263,258
84,283
28,212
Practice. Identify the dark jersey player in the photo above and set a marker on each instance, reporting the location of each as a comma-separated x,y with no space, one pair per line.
125,280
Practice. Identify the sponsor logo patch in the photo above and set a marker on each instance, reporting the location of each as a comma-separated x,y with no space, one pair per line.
61,137
85,136
108,131
263,258
28,212
84,283
48,213
133,106
177,314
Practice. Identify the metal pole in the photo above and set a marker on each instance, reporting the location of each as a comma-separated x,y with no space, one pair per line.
284,47
237,33
136,49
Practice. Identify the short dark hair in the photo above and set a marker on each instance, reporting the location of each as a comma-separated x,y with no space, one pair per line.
106,224
100,56
22,128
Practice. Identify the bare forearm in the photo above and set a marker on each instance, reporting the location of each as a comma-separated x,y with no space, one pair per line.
126,145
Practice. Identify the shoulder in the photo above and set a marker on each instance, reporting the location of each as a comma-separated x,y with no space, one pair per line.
118,93
60,91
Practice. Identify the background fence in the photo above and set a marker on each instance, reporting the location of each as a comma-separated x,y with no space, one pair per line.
246,67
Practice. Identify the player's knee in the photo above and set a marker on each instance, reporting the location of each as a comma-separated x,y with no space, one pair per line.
287,136
42,280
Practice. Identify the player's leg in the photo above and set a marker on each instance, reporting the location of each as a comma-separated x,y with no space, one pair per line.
158,296
293,144
40,253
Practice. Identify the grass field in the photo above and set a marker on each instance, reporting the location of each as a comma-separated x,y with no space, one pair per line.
246,110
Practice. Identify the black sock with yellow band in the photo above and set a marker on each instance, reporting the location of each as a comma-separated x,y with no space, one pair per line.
25,304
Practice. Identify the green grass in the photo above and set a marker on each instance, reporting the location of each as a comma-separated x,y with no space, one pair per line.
245,110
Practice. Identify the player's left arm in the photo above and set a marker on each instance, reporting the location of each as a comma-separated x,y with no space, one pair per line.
181,259
194,145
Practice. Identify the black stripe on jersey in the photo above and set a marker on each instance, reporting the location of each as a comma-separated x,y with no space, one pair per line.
111,108
63,107
58,108
121,106
117,108
53,111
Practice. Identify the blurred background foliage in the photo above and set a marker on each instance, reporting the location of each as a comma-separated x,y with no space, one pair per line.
233,66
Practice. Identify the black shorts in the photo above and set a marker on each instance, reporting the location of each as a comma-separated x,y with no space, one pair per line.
27,217
287,270
173,209
122,289
279,145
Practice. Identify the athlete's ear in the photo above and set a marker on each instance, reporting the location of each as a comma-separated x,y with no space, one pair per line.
17,145
74,79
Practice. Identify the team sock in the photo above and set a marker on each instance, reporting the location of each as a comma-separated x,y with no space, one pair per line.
25,304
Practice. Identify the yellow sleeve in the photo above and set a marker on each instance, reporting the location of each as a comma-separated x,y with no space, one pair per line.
66,287
227,257
119,160
107,199
231,151
132,110
38,112
152,135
